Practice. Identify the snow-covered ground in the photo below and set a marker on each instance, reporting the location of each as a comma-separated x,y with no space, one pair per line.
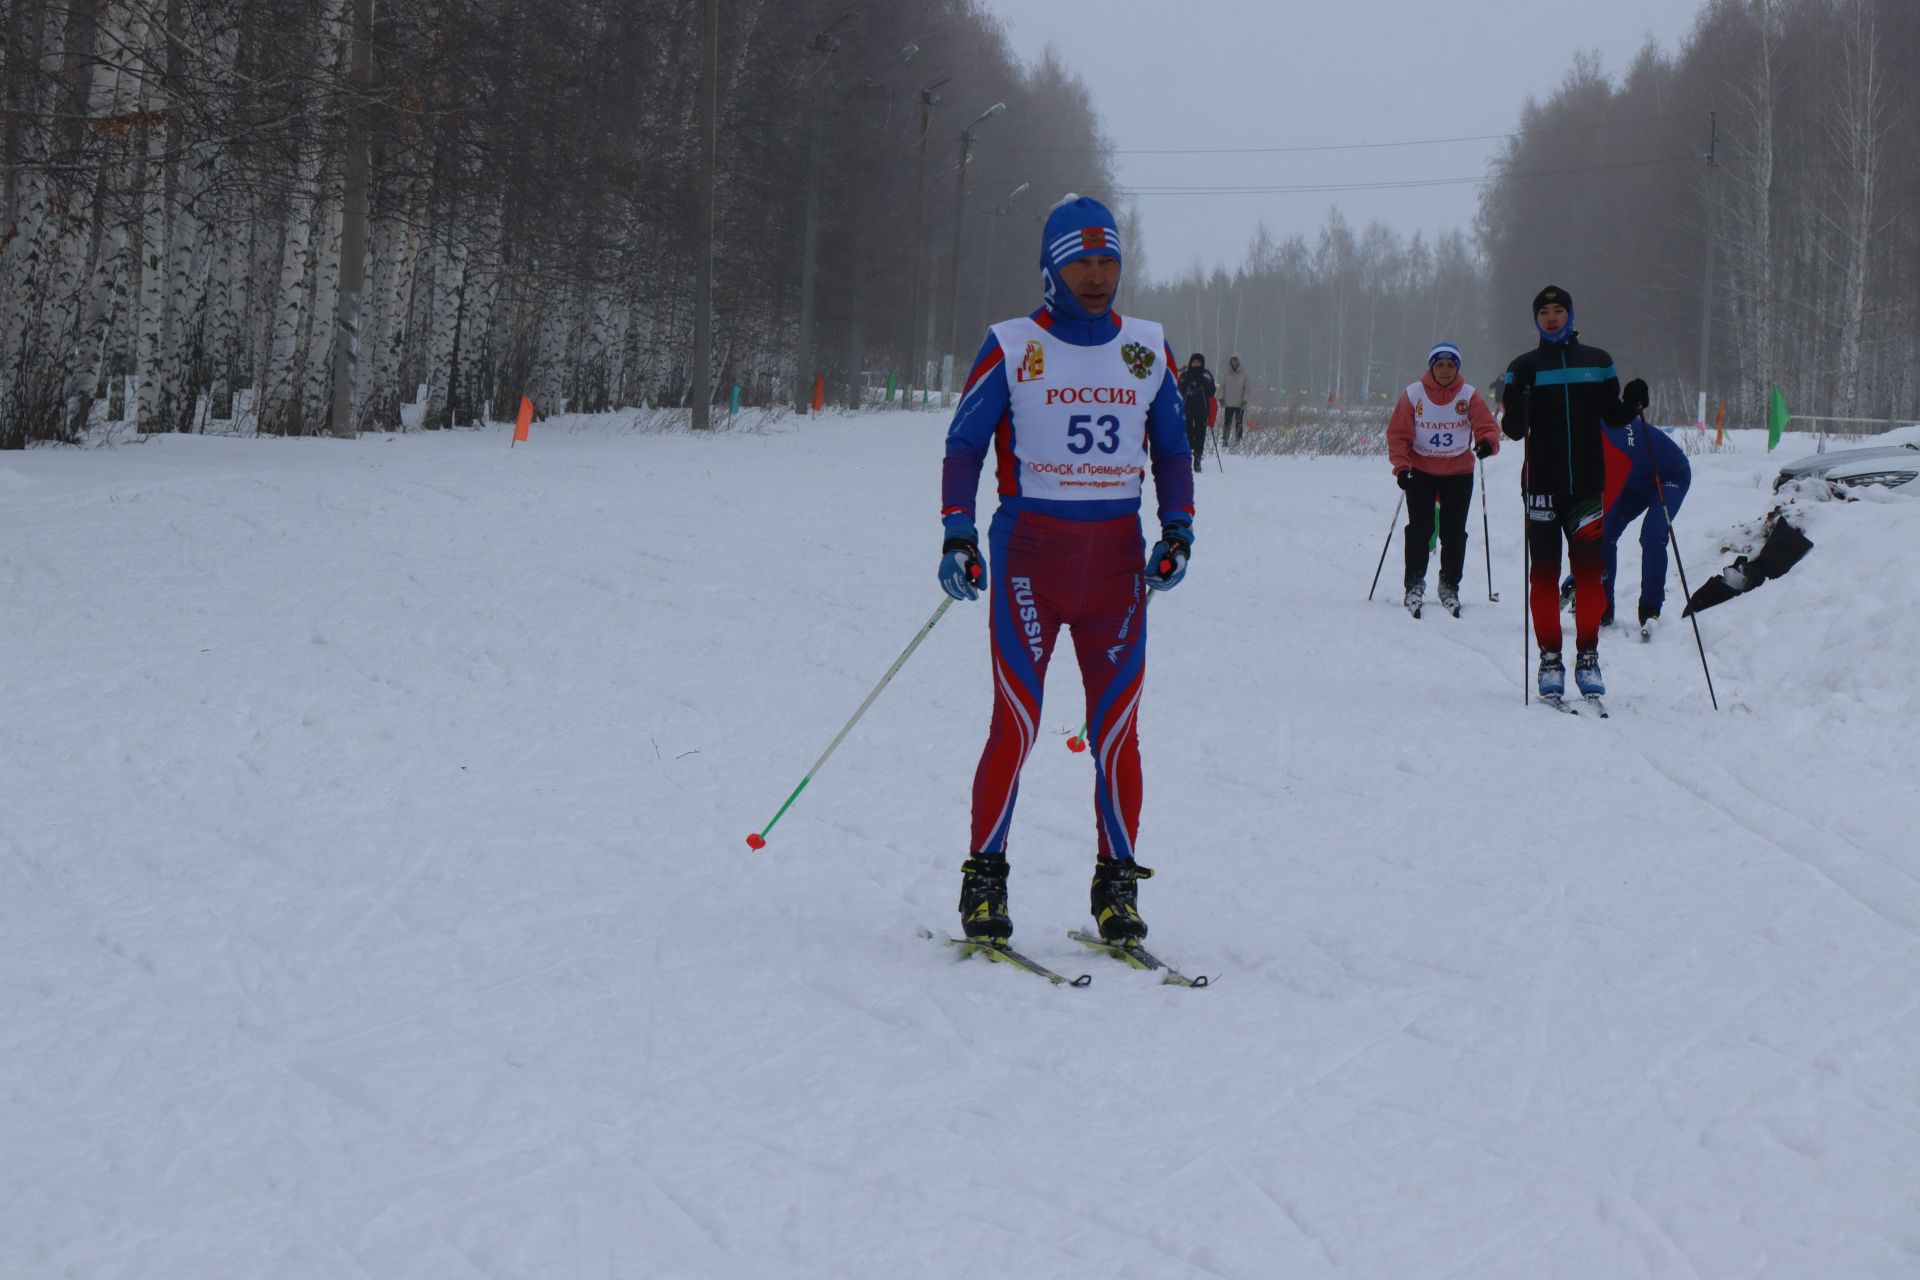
374,900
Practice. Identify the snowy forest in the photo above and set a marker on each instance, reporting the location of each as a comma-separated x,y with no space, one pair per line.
497,197
1605,189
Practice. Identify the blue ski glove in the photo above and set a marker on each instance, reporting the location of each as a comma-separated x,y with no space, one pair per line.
1167,562
963,574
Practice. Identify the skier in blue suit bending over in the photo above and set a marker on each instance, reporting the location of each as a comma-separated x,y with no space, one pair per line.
1646,473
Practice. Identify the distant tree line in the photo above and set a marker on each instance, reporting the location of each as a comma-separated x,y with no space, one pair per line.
1812,201
191,190
1344,319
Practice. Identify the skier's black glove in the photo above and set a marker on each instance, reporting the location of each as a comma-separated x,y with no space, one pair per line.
963,574
1167,562
1403,477
1483,449
1635,396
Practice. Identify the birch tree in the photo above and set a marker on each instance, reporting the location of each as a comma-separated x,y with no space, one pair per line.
1859,125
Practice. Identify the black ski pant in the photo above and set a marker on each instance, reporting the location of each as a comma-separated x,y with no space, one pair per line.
1197,434
1233,423
1454,496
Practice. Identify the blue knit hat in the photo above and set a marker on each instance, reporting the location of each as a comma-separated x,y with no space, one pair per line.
1443,351
1077,227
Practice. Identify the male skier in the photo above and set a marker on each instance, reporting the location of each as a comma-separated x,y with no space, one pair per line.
1558,397
1077,402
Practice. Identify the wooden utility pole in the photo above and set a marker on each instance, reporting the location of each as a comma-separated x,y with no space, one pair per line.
709,96
353,227
916,356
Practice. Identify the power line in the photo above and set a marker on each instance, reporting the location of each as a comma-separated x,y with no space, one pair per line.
1317,188
1345,146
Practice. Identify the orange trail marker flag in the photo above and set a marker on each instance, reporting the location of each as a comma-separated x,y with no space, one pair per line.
522,421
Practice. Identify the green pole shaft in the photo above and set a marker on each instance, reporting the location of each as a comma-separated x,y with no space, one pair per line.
847,728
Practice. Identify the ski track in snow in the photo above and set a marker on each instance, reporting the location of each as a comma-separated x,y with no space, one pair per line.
373,899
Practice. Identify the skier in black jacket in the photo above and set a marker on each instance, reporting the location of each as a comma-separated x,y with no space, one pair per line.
1557,397
1201,400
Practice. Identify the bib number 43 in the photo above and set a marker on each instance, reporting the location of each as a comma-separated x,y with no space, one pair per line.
1080,436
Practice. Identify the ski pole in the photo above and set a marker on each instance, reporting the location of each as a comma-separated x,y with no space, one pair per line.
1673,541
1486,538
758,840
1394,524
1219,453
1526,618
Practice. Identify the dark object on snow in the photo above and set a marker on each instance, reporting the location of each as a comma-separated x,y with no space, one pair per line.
1785,547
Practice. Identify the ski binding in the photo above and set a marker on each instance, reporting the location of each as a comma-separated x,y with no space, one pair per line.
1139,957
1001,953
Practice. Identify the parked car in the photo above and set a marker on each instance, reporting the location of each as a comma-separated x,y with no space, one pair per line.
1897,466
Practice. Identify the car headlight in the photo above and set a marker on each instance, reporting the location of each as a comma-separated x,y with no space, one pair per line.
1892,479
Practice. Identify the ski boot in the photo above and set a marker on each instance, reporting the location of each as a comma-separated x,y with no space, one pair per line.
1553,676
983,898
1586,673
1415,597
1113,899
1450,597
1649,617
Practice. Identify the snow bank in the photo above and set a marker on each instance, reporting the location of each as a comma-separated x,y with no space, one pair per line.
373,898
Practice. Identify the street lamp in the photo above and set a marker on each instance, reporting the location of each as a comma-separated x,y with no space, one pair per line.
959,227
994,214
915,360
826,44
862,241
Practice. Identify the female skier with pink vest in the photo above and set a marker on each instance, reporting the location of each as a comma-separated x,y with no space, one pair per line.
1437,430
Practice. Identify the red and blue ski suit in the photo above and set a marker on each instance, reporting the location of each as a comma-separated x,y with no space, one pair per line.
1065,544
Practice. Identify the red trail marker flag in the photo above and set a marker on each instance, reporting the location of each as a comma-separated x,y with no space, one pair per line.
522,421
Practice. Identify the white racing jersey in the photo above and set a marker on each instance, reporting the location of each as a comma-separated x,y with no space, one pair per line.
1441,430
1078,414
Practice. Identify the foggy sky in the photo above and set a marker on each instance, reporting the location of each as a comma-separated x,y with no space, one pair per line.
1271,73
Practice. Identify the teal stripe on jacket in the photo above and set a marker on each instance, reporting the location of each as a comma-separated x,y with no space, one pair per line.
1560,377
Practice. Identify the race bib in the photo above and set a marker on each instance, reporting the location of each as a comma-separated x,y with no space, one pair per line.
1441,430
1079,414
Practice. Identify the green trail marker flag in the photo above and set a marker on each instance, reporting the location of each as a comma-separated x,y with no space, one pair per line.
1777,418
